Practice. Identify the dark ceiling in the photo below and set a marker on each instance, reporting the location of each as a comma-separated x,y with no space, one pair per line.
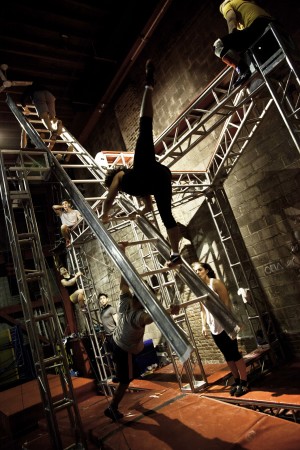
80,49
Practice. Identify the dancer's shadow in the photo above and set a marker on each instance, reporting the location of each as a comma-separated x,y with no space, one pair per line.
172,433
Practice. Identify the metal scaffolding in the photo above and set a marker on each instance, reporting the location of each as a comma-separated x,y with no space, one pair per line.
239,112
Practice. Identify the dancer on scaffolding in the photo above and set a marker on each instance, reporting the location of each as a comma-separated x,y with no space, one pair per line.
147,176
44,102
246,21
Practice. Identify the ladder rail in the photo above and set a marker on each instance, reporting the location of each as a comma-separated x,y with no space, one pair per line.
48,317
103,367
289,79
242,269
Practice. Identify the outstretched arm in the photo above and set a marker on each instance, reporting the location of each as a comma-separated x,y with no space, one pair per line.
124,288
112,193
71,281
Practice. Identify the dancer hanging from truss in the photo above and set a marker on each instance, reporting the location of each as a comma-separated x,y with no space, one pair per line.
147,176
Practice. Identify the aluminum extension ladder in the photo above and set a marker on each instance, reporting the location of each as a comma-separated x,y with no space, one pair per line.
48,352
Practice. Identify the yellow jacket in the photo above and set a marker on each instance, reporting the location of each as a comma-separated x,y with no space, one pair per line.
246,11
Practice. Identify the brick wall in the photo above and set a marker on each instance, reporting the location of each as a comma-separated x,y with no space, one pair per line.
263,189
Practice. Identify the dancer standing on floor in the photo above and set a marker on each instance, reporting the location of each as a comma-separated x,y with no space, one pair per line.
228,346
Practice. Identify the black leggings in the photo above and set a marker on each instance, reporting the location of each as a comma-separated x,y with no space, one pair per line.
228,346
152,176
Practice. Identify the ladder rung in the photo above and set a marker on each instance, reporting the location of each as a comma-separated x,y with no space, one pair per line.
65,152
77,166
86,181
25,241
58,141
179,317
168,283
150,255
30,169
153,272
44,316
143,241
20,195
49,362
36,121
29,178
34,275
62,404
24,152
26,235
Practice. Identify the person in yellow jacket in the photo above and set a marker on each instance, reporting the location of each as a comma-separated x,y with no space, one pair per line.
246,21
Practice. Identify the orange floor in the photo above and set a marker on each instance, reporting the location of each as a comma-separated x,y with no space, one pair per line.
159,416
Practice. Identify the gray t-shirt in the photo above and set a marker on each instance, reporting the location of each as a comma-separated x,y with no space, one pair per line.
128,334
70,218
107,318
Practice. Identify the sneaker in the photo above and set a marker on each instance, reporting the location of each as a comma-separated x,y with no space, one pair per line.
113,414
241,390
150,73
233,389
115,379
242,78
175,260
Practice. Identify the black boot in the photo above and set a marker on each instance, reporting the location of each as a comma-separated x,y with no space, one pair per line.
150,73
244,74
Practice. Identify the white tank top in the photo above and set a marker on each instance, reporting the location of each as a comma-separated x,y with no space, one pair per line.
214,325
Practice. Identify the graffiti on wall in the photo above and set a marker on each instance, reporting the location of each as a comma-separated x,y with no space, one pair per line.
293,262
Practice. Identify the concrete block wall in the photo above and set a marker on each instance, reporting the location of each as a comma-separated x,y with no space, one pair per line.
107,276
263,189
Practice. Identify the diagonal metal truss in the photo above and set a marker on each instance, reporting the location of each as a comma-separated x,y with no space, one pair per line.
287,411
257,308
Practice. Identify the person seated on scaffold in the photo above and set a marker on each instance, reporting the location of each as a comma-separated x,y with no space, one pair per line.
246,22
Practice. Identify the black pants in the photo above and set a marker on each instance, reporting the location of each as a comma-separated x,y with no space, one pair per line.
241,40
150,175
